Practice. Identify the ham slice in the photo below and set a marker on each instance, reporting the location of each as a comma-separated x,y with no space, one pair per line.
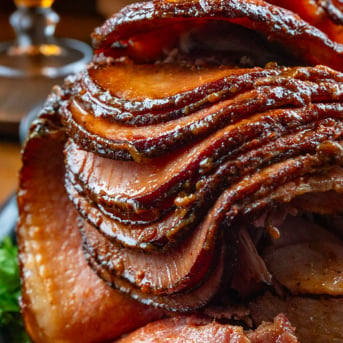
317,320
280,330
169,171
314,254
140,187
181,267
325,15
77,305
279,24
182,302
187,329
193,329
115,140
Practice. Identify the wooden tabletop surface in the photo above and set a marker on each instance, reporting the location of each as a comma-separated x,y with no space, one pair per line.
18,97
10,165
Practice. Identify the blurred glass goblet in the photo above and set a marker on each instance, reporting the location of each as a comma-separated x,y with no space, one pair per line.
36,51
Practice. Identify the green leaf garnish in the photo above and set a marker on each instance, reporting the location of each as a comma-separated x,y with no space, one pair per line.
11,322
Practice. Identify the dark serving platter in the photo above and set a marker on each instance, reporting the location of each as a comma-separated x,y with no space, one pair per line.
8,218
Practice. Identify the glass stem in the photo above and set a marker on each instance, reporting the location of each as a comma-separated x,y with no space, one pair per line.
34,28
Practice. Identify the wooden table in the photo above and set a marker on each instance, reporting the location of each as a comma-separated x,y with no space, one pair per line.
9,167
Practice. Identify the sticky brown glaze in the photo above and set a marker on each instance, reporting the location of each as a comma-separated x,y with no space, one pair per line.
181,267
190,207
139,188
325,15
135,21
291,87
187,329
201,329
62,298
188,300
182,157
311,186
143,94
172,269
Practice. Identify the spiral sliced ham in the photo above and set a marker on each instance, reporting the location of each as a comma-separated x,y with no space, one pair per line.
325,15
203,160
281,89
158,16
77,305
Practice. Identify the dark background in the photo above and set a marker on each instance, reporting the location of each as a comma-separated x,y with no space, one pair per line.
82,7
78,18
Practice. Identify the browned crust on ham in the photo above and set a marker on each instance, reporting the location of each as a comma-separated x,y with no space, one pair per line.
180,167
277,22
122,142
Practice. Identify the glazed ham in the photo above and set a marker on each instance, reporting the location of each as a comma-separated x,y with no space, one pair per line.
76,306
199,162
195,329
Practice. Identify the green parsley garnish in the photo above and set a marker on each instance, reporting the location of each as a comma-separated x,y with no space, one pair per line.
11,323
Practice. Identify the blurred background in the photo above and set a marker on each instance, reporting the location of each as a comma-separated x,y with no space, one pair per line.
18,99
83,7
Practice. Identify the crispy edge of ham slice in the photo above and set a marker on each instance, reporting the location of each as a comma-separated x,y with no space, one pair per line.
180,268
184,301
186,167
62,298
278,23
303,168
187,329
148,237
118,141
325,15
305,141
95,99
197,329
228,83
327,179
155,85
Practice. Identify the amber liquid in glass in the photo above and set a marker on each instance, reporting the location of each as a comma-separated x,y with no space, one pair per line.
34,3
